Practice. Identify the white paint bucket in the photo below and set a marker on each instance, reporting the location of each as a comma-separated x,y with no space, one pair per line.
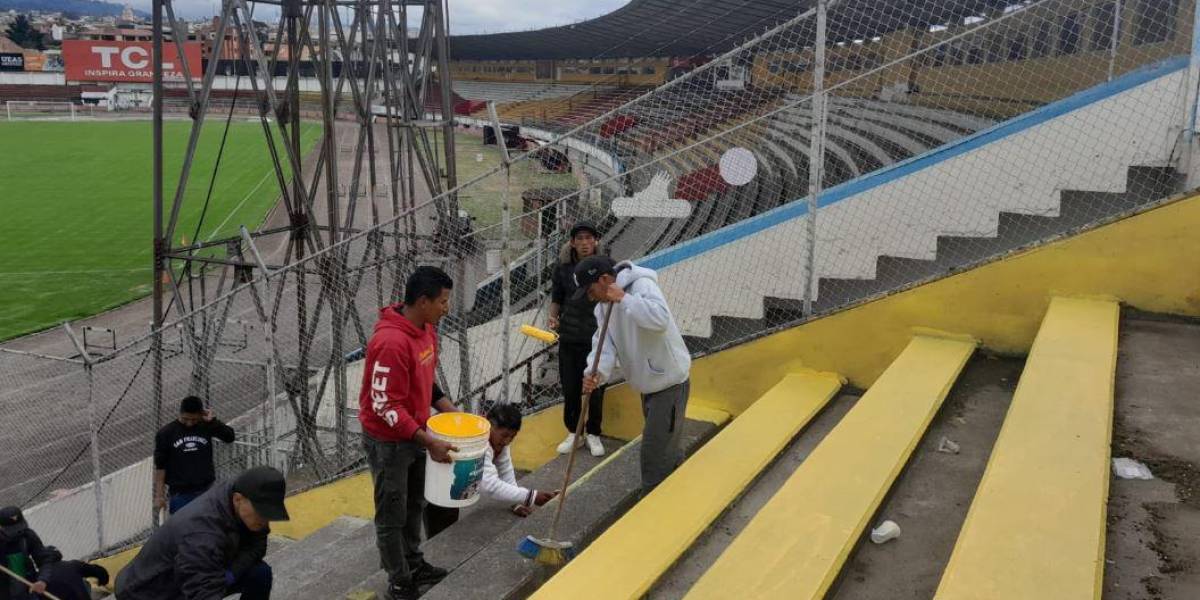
456,484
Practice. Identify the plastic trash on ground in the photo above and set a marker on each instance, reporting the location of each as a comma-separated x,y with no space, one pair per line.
1127,468
887,530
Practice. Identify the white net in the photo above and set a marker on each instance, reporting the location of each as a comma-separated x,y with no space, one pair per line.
17,110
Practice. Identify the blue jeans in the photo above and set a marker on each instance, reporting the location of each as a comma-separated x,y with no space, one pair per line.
254,585
178,501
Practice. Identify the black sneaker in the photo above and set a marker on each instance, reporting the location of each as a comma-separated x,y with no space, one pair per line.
403,591
427,574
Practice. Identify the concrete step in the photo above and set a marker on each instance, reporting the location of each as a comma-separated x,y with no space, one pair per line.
275,543
1153,536
675,583
334,558
929,500
297,558
348,565
495,570
1036,525
662,526
796,544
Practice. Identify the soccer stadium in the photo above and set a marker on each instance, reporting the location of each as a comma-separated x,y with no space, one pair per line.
841,299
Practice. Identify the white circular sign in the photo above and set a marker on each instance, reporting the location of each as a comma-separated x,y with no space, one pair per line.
738,166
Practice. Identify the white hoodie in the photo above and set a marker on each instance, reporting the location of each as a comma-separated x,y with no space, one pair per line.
500,480
642,336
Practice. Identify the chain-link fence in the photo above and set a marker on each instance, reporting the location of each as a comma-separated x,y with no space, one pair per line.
846,153
948,135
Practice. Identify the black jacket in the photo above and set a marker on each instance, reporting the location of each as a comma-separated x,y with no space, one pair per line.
187,558
576,319
65,579
186,454
28,552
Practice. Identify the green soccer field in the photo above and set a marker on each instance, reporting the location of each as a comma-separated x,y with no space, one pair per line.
76,217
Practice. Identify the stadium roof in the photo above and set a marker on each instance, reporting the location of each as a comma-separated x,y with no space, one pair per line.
696,27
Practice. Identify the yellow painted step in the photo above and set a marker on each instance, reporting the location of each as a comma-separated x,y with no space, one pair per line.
796,544
1036,527
631,555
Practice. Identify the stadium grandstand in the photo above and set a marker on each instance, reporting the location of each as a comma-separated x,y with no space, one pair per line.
933,261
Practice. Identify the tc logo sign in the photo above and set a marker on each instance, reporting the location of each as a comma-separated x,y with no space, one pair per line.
132,57
109,61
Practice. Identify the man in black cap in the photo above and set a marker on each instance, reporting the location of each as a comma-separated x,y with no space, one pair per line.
21,551
643,338
183,455
572,316
213,547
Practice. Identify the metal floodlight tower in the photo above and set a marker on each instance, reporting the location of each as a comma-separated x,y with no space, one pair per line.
354,67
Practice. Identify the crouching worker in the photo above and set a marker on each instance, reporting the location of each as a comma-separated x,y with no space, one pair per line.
214,547
22,552
499,478
65,579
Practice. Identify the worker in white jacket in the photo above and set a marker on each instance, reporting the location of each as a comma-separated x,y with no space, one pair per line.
644,340
499,478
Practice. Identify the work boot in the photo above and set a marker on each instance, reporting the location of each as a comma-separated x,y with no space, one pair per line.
427,574
403,590
566,444
595,445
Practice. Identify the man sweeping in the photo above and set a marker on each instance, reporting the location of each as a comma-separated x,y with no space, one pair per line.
644,340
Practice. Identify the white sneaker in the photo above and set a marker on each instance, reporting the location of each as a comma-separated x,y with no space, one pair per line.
566,444
595,445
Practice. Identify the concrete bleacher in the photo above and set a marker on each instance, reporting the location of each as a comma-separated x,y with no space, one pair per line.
504,93
1048,475
43,93
864,135
786,477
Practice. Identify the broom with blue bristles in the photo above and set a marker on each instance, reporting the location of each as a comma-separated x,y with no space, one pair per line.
548,550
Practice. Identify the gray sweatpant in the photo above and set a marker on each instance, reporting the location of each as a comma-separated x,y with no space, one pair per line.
398,474
662,435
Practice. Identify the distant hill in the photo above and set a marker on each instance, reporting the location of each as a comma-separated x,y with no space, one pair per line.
86,8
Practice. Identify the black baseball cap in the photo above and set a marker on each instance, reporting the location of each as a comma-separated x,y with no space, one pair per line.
589,270
585,226
265,487
12,522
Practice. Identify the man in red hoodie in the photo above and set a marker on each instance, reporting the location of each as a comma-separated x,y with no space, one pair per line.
397,393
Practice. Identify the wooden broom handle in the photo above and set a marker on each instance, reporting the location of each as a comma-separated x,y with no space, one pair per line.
583,416
27,582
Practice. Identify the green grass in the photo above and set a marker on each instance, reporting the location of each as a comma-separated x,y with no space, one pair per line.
76,214
482,200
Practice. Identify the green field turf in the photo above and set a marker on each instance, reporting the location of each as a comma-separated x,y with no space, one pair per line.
76,217
482,200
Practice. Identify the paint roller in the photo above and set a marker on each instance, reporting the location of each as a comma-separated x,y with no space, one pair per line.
539,334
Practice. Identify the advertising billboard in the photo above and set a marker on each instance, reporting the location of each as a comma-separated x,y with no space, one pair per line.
39,62
12,61
94,60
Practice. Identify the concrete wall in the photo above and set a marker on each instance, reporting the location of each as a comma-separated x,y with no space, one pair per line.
31,78
69,521
1085,142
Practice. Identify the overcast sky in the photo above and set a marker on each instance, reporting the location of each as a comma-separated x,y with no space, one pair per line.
466,16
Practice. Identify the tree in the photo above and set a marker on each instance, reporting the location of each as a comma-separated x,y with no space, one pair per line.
22,33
